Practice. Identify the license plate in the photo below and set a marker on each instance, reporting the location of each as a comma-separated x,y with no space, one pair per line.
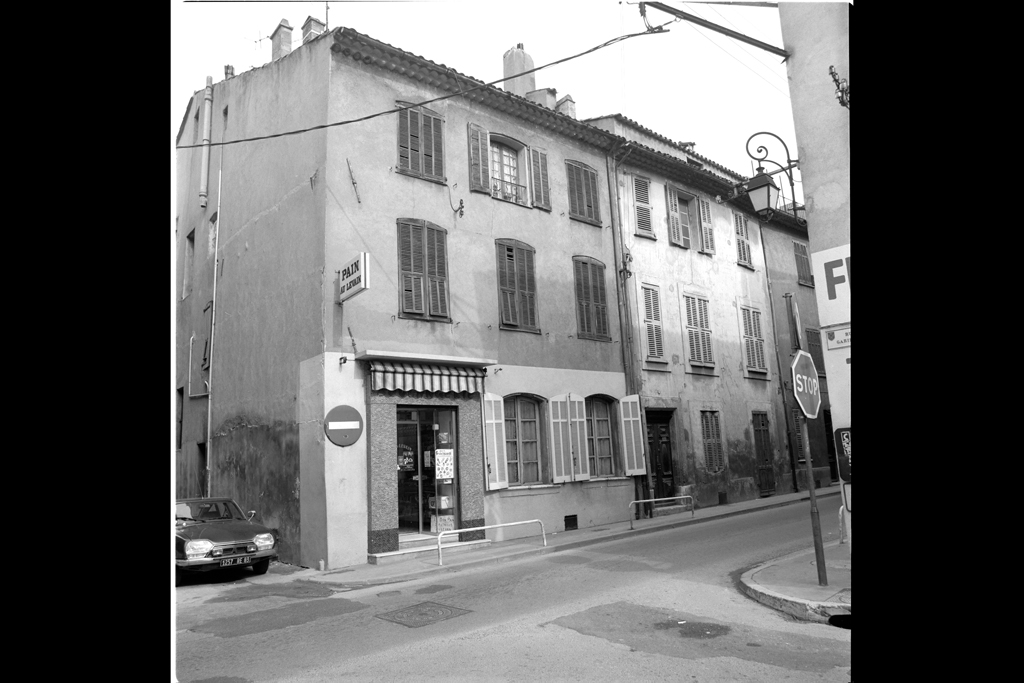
235,560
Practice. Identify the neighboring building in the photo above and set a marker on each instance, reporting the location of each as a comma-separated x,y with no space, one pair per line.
710,386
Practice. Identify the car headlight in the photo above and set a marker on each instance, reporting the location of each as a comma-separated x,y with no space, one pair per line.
264,541
196,549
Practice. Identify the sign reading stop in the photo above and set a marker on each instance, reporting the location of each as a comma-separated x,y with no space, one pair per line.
805,384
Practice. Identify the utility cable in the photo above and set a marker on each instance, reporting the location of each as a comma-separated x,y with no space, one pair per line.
656,29
740,45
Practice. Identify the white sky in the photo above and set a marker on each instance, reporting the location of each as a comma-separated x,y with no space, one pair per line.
690,84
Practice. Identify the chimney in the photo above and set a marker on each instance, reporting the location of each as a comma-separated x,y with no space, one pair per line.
517,61
229,71
281,41
566,106
544,97
311,29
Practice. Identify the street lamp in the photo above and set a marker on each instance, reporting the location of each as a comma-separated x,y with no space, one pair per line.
762,190
763,193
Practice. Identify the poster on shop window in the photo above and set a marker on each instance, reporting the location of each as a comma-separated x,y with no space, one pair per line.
406,461
444,461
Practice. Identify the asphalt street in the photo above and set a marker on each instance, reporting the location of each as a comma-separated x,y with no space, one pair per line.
661,606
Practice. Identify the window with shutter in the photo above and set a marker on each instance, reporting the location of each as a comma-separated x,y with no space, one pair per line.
711,432
642,205
813,338
539,178
743,255
479,159
494,441
633,438
753,340
423,269
707,231
568,430
599,437
583,192
698,331
420,142
803,264
652,322
517,288
680,205
522,440
591,299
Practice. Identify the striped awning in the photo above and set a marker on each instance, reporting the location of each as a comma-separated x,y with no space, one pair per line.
424,377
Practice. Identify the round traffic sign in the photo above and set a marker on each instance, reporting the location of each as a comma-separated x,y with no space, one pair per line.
343,425
806,389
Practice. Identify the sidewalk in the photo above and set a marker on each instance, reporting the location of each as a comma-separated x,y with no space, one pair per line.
789,584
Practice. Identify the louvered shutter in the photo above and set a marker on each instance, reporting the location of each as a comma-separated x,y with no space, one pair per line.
632,435
652,322
707,231
748,338
712,434
675,233
403,139
561,441
427,143
705,335
437,271
527,287
642,200
742,239
575,183
479,159
803,264
415,150
539,171
410,257
583,308
693,335
438,145
507,284
578,436
600,301
755,317
494,442
593,210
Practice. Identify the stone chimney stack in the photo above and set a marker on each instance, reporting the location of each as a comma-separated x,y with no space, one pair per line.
311,29
517,61
545,97
566,106
281,41
229,71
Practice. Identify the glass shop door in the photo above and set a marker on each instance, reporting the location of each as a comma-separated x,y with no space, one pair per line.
426,478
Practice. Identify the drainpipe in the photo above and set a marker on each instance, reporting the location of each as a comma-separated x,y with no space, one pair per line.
778,363
213,336
204,170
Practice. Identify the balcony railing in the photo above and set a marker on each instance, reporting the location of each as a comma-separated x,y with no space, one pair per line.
510,192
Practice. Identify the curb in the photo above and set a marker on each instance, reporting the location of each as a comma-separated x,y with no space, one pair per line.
570,545
805,610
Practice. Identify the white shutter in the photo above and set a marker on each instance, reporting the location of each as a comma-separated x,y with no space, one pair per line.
494,442
707,231
561,442
578,437
652,322
632,435
641,195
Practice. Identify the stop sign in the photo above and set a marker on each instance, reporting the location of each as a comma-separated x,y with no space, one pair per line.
805,384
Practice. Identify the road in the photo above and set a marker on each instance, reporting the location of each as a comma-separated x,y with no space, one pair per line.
660,606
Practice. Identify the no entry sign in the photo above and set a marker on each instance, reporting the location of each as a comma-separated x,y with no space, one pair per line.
343,425
805,384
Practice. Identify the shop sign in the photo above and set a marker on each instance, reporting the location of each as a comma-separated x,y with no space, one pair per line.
354,277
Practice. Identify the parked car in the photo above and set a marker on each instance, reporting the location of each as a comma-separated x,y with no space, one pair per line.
212,533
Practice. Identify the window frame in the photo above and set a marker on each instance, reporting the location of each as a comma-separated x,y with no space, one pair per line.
429,232
531,168
406,112
584,192
523,289
674,196
804,276
596,310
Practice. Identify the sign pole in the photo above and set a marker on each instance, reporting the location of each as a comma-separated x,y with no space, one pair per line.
819,550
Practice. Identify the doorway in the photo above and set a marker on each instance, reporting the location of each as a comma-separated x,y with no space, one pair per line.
659,441
427,472
763,453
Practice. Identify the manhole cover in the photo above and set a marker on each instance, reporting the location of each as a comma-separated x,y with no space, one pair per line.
423,614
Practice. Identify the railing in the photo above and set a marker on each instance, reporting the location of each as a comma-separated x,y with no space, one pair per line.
656,500
491,526
511,192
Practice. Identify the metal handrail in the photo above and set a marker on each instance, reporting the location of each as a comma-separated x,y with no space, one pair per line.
655,500
490,526
509,191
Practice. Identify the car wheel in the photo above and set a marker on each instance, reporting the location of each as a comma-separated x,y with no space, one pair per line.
261,567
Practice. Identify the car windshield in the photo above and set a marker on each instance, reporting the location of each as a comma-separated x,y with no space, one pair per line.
207,511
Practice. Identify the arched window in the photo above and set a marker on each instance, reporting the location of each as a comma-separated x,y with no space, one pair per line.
522,440
599,437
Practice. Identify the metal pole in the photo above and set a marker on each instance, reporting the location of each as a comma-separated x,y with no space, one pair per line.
819,550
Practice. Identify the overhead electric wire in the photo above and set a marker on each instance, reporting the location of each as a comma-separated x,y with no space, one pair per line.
656,29
726,20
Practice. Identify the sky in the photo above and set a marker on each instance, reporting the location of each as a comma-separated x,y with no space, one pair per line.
689,84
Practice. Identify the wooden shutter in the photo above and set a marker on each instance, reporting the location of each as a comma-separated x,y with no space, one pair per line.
403,139
652,322
707,231
575,182
600,301
578,436
755,322
742,239
494,442
755,356
642,201
632,435
527,287
593,210
410,258
437,271
415,151
539,171
438,148
479,159
803,264
678,218
561,441
813,338
705,325
698,330
712,435
584,312
507,284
